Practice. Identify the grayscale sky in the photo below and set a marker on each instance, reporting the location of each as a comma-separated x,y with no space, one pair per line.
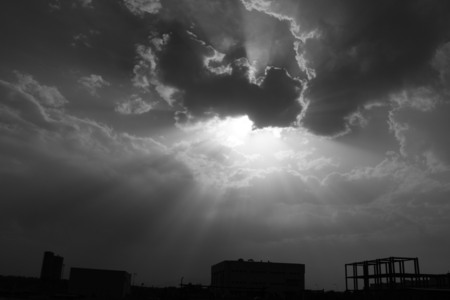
163,136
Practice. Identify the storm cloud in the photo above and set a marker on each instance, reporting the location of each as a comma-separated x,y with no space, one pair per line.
268,93
272,102
357,51
365,51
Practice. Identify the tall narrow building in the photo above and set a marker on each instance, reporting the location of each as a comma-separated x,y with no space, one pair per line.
52,266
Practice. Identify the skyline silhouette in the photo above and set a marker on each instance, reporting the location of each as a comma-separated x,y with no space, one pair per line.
380,273
381,278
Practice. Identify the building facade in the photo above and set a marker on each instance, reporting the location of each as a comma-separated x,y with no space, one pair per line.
268,278
99,284
52,267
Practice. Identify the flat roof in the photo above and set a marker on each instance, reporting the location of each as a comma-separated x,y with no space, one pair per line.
384,260
97,270
241,261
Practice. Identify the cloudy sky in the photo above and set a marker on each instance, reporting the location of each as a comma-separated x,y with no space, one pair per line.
163,136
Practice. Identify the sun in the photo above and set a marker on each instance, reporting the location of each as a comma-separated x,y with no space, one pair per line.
232,131
238,135
241,134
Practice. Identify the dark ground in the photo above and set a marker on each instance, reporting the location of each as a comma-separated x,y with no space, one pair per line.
20,288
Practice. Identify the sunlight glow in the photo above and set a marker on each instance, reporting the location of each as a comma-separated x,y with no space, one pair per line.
237,139
232,132
232,152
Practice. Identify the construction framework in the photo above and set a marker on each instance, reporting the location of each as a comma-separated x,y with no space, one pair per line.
391,273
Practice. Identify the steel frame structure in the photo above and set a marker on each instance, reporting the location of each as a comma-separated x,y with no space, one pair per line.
385,273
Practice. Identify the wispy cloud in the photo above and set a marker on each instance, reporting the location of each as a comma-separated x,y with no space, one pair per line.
93,83
140,7
86,3
46,95
134,105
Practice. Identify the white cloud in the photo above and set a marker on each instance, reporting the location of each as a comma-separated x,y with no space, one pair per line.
26,123
306,160
215,63
21,111
266,7
133,106
422,98
48,96
145,70
159,42
434,163
92,83
392,179
140,7
400,130
80,39
166,93
86,3
441,62
54,5
418,120
357,119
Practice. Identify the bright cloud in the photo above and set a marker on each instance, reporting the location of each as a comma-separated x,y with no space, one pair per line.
47,95
140,7
134,105
93,83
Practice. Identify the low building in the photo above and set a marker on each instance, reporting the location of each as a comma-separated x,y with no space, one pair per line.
99,284
258,278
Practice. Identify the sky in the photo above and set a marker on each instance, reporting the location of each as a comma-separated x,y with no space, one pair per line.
163,136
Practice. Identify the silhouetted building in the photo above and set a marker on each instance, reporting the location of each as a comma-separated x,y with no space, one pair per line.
258,278
391,273
52,266
100,284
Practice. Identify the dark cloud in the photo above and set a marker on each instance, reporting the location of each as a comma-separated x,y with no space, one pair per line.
230,29
51,43
361,51
366,50
420,133
66,47
274,101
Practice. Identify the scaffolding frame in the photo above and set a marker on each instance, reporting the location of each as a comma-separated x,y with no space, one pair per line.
385,273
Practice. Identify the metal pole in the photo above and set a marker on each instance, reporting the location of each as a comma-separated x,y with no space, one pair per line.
346,278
